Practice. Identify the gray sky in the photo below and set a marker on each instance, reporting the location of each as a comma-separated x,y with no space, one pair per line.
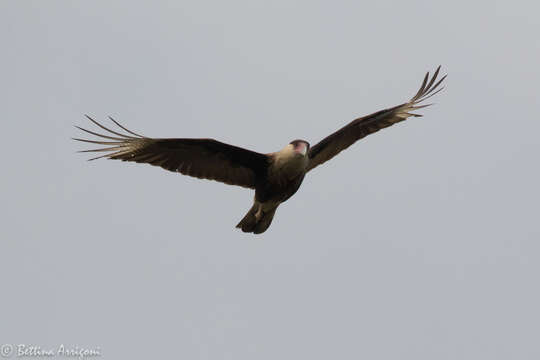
419,242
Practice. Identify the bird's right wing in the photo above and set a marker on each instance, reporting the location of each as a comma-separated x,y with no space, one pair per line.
361,127
201,158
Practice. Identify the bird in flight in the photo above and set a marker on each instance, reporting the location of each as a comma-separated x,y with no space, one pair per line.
275,177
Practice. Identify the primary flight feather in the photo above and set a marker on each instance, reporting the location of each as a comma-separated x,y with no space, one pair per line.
275,176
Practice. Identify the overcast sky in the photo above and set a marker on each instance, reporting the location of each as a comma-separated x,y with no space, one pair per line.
419,242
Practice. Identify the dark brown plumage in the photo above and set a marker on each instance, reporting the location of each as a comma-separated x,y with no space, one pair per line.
275,176
361,127
202,158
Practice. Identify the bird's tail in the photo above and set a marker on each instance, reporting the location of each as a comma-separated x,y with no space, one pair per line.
256,220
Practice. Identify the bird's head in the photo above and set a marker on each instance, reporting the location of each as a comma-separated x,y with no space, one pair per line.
300,147
294,156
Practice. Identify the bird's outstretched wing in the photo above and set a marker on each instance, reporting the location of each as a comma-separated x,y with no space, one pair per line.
201,158
361,127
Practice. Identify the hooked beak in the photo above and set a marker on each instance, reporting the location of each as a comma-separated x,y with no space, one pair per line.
301,148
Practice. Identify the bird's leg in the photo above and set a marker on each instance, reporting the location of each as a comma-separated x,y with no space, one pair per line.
259,214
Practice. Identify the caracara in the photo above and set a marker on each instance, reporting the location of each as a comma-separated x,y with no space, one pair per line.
275,177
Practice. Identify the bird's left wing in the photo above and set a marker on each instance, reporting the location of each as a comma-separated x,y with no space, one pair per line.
361,127
201,158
